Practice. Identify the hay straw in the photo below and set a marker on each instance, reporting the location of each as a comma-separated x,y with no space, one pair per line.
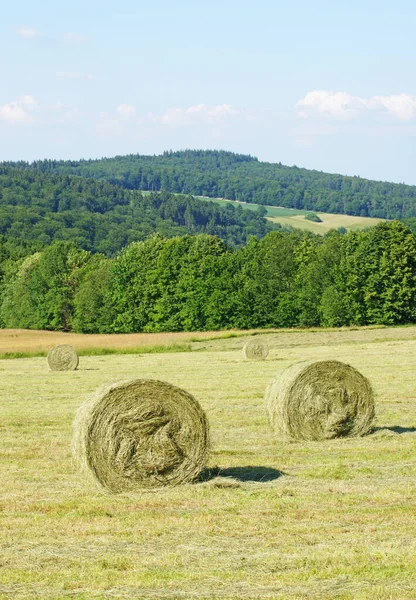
255,349
63,358
320,400
141,434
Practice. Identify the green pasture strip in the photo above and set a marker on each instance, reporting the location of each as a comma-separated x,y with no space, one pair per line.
272,211
9,355
158,349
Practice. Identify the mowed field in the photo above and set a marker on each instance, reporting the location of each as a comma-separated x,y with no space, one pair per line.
329,221
332,519
296,218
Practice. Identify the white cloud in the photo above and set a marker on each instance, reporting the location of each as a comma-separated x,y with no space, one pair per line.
402,106
338,105
344,106
26,110
200,113
18,111
126,111
27,32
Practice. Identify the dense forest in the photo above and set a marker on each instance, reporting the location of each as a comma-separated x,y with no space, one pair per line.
285,279
83,249
239,177
38,208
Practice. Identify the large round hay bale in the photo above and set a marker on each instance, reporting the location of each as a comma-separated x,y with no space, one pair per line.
63,358
140,434
320,400
255,349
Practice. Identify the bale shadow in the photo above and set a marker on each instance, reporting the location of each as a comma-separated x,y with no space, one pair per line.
249,473
395,429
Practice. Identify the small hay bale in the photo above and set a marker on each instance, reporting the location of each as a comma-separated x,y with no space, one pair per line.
255,349
318,400
141,434
63,358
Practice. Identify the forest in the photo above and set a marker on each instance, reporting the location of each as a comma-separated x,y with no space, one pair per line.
245,178
199,282
37,208
121,245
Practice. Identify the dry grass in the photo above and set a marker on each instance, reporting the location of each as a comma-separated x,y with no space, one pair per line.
32,341
320,400
140,433
277,520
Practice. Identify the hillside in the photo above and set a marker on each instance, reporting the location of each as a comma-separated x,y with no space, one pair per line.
292,217
38,208
240,177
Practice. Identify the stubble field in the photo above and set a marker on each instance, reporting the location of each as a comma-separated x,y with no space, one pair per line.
285,520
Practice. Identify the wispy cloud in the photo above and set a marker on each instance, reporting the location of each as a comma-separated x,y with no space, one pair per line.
126,116
27,32
344,106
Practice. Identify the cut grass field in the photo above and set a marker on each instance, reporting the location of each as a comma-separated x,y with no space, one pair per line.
329,222
282,520
296,218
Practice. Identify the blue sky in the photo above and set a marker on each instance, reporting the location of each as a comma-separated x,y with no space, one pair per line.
317,84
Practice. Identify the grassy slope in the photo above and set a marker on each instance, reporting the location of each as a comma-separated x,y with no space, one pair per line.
338,523
296,218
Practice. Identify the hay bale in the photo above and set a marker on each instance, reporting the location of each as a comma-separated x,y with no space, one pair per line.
320,400
141,434
63,358
255,349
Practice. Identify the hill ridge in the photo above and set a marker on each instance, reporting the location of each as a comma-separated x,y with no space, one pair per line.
224,174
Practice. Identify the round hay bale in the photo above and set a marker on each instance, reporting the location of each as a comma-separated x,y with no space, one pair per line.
255,349
141,434
63,358
320,400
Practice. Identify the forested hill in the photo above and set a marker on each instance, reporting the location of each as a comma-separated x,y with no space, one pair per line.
239,177
39,208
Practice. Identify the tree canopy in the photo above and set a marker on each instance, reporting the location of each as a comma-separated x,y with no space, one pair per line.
239,177
198,282
37,208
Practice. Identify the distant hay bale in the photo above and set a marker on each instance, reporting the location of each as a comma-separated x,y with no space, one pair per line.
63,358
255,349
320,400
141,434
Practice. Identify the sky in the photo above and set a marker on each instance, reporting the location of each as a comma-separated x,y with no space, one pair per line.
323,85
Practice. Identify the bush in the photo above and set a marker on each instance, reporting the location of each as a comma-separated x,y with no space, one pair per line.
313,217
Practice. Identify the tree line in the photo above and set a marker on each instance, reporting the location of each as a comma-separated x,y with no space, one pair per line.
243,177
198,282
